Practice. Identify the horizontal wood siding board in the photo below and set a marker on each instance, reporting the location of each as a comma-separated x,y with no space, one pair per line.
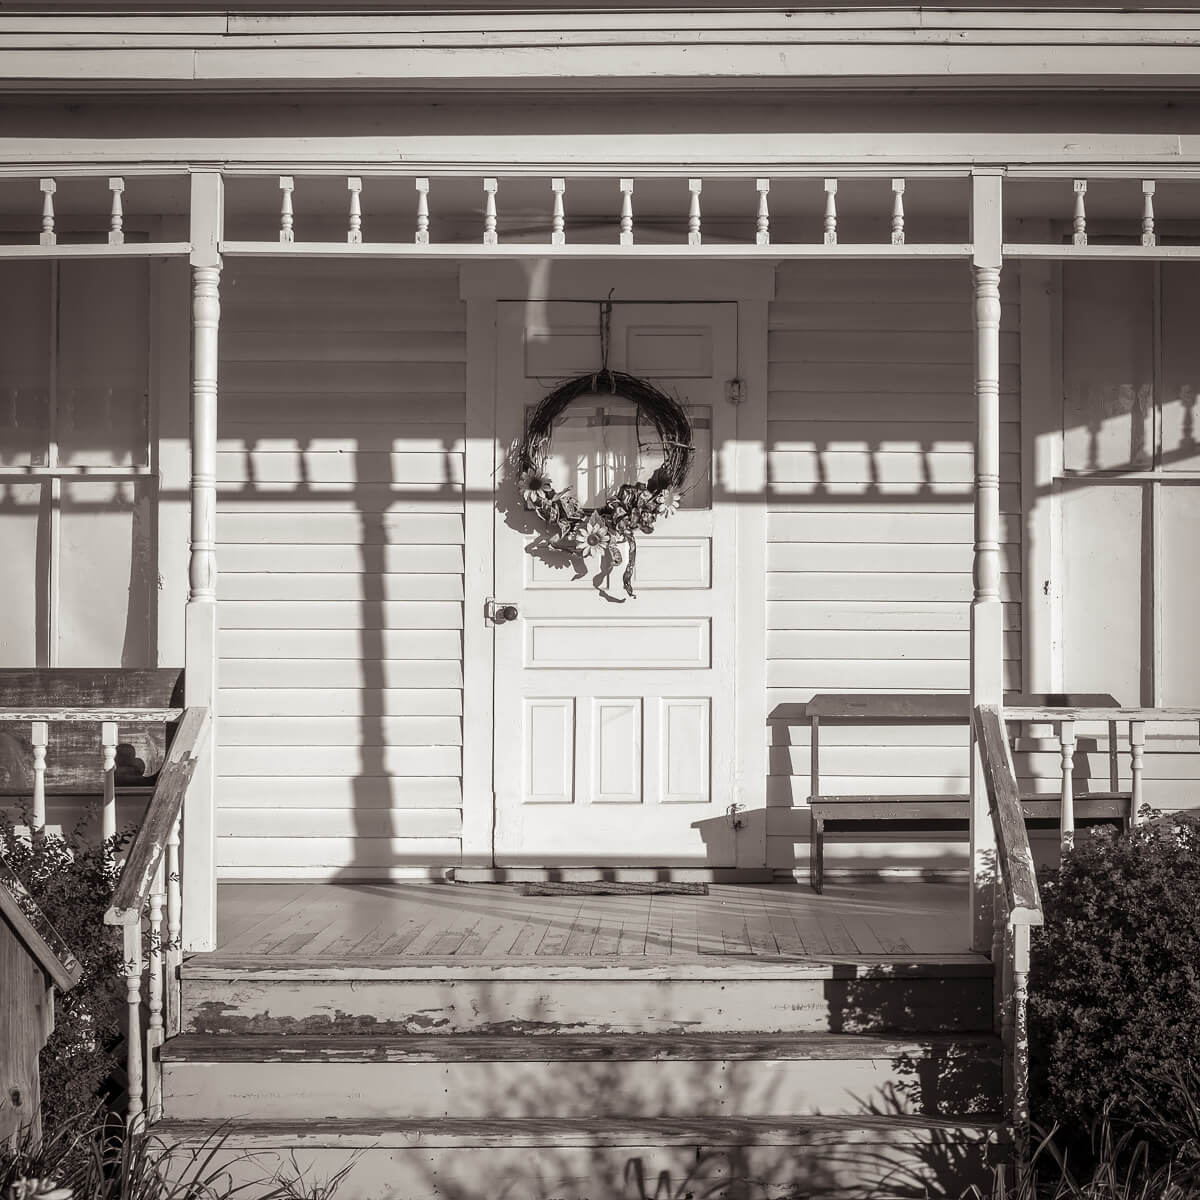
340,534
871,432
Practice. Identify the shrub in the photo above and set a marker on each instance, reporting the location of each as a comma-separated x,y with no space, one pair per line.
71,878
1115,982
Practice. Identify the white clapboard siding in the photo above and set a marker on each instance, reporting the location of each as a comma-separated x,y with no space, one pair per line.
340,548
870,528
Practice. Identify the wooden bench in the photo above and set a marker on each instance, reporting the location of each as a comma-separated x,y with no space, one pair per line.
935,812
85,731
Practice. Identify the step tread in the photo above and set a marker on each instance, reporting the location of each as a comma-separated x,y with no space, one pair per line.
592,969
659,1131
633,1047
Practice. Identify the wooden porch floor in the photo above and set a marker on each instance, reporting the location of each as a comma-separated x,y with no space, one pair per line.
301,922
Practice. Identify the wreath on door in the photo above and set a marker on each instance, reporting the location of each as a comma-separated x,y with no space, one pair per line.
632,508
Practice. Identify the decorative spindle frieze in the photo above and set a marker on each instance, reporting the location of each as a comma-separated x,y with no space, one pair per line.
48,188
108,750
1137,760
558,222
694,186
762,227
1066,742
116,219
354,233
490,236
422,234
39,737
626,212
1148,236
1079,222
287,216
831,219
897,212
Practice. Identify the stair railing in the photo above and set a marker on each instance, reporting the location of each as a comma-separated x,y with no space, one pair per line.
1018,908
150,882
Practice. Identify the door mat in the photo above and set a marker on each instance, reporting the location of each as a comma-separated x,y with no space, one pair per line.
602,887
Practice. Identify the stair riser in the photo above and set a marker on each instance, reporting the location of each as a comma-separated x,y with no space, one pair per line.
822,1168
525,1088
239,1004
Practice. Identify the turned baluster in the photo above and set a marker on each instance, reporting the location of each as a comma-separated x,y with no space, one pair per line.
287,216
108,748
1137,757
173,950
558,222
762,232
1079,238
1148,235
116,220
40,735
694,186
1066,741
490,236
831,187
48,188
154,1029
897,212
133,1030
422,235
626,212
354,233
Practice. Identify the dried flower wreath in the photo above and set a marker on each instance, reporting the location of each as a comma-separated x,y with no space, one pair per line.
632,508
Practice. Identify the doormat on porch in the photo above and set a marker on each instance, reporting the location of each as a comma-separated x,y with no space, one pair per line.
609,887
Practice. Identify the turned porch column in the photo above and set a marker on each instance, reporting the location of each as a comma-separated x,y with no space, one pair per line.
200,627
987,626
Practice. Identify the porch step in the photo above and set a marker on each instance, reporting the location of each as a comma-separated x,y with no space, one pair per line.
720,994
473,1077
770,1158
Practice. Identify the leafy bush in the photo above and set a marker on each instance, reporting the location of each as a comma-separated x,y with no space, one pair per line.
1115,984
72,878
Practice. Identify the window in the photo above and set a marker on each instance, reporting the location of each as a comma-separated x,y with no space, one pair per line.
1130,485
77,492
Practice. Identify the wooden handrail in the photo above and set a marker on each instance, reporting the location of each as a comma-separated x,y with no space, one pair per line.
32,926
126,716
1004,800
145,855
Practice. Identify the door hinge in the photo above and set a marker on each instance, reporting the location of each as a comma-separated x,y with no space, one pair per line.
735,391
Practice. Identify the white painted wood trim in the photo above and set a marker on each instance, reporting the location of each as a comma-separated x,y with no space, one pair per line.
481,460
200,630
689,279
987,624
100,250
1065,253
725,252
169,289
1040,456
750,684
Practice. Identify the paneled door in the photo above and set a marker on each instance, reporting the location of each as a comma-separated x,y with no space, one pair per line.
614,716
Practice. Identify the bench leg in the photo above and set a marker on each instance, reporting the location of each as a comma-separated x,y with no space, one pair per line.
816,854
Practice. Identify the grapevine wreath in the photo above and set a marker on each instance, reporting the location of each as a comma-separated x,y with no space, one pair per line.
632,508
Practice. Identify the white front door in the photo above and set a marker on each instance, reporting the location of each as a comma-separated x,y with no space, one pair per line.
614,717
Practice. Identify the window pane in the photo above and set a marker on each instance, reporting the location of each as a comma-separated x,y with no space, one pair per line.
1181,367
1108,365
21,520
106,579
1106,617
103,356
24,363
1180,653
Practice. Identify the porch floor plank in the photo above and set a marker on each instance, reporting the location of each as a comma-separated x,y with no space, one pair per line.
319,922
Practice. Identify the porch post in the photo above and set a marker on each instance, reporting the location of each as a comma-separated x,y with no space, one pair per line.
987,636
200,626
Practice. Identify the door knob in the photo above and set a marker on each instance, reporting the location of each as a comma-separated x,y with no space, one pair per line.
507,612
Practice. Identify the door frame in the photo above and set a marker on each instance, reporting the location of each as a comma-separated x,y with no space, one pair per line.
482,286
